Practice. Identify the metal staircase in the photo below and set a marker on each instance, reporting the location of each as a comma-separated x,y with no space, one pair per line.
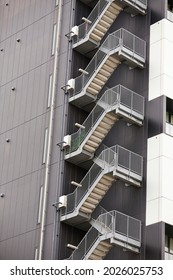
117,102
112,164
120,46
110,228
89,34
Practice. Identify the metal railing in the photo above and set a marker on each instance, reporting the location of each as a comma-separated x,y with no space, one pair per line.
118,39
115,156
85,27
110,222
117,96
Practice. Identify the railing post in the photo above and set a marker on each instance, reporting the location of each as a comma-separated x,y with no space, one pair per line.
130,157
127,228
133,45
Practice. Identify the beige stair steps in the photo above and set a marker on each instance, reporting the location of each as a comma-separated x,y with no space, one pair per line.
100,251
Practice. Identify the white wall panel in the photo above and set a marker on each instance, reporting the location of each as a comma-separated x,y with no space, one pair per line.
160,180
161,59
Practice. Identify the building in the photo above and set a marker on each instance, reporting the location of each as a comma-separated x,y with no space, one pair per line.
86,115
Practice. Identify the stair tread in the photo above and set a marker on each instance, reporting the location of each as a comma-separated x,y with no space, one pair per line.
98,134
105,125
96,139
98,191
104,23
92,143
101,27
95,195
110,14
116,6
95,37
98,32
96,80
106,244
108,120
92,200
92,90
102,130
89,205
95,86
99,253
101,77
85,210
111,116
107,19
108,177
104,72
104,181
103,186
89,148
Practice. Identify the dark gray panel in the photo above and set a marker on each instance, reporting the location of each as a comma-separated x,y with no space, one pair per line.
155,234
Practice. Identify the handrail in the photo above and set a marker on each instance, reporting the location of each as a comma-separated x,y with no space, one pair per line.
118,39
112,222
117,157
117,96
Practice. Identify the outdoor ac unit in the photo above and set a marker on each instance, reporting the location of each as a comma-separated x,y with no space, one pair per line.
71,84
62,201
67,141
74,31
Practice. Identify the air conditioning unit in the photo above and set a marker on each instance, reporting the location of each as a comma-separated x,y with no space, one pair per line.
74,31
67,141
62,201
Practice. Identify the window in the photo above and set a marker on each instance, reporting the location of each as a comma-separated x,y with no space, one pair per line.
168,247
54,39
170,5
49,92
169,118
40,205
45,145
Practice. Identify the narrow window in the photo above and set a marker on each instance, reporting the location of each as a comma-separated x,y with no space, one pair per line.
36,254
54,39
49,92
45,145
40,205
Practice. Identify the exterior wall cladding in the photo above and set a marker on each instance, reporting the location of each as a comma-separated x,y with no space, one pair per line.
27,62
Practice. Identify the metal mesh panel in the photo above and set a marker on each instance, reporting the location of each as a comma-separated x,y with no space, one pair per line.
125,97
136,164
123,158
121,223
134,229
138,103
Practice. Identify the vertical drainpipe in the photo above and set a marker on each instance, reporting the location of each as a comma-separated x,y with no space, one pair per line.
50,131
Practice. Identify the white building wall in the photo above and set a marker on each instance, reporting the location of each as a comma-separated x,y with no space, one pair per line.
160,180
161,59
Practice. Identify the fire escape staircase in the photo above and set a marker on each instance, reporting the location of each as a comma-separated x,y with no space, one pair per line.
109,229
88,35
115,163
117,102
120,46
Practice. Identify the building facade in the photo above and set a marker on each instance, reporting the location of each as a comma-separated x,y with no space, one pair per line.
86,132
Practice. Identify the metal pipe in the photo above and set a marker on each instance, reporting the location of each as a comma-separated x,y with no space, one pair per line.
49,146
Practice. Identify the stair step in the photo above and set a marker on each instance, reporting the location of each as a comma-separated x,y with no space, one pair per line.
95,86
94,257
96,196
89,205
98,81
98,191
92,200
98,134
95,37
104,72
103,186
114,10
99,253
105,125
111,15
92,90
92,144
102,248
104,23
102,130
119,8
110,178
111,64
85,210
107,19
104,181
106,244
115,60
95,139
108,120
108,68
101,28
98,32
101,77
111,116
89,148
